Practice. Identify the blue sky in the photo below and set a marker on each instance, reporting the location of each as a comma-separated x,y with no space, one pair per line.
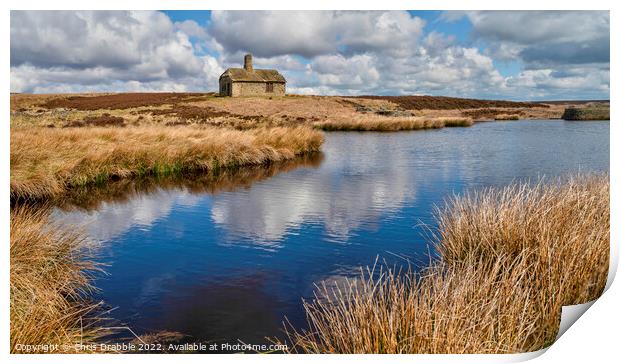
460,29
516,55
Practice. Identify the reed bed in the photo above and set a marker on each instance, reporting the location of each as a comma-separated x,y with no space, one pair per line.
506,117
51,275
46,162
509,259
386,124
565,224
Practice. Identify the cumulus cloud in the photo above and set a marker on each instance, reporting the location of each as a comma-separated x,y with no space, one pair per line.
562,53
192,29
103,50
435,66
536,83
545,37
285,62
529,27
313,33
319,52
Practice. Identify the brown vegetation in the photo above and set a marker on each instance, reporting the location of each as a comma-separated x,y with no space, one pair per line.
173,109
391,124
449,103
47,162
120,101
190,114
489,114
102,120
507,117
573,102
51,274
509,259
186,112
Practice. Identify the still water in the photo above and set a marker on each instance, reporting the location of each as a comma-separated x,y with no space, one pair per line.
227,259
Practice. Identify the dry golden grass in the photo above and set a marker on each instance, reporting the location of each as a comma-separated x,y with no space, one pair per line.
503,117
46,162
385,123
554,111
565,225
244,112
50,282
509,259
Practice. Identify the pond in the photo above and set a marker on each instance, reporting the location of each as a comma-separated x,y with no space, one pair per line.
228,259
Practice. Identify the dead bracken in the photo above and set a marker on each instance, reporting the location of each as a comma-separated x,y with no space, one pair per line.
102,120
448,103
189,112
120,101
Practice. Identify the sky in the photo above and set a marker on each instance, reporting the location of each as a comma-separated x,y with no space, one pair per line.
516,55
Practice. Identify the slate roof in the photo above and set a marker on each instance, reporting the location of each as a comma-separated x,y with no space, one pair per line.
258,75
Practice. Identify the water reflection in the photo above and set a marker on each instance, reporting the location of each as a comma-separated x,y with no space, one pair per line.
346,192
109,210
228,258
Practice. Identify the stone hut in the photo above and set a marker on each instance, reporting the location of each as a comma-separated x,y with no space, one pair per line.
248,81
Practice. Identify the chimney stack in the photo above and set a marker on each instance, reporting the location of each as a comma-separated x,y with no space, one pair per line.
247,63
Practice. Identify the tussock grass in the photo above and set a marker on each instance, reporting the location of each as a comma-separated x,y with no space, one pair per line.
509,259
378,123
503,117
50,281
47,162
564,224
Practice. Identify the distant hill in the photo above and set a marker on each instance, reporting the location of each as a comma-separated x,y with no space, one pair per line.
448,103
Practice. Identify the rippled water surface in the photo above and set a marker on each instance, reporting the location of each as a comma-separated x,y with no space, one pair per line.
228,259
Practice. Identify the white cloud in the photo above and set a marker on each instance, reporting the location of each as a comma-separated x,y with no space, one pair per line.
589,81
192,29
313,33
452,70
529,27
286,62
100,50
541,38
319,52
28,78
358,71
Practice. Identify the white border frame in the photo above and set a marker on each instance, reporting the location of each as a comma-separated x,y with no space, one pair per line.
593,337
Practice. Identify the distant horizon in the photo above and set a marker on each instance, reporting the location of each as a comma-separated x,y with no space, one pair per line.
293,94
507,55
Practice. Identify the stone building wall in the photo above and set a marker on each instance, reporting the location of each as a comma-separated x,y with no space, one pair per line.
257,89
279,89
